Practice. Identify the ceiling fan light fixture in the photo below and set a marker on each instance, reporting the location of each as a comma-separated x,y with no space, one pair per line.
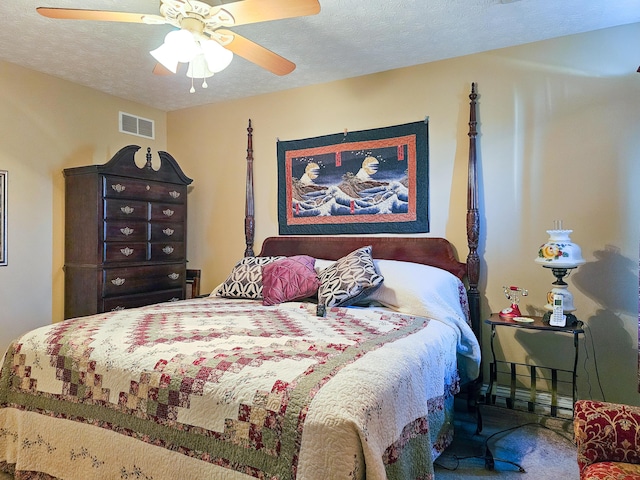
179,46
166,56
183,44
198,68
217,57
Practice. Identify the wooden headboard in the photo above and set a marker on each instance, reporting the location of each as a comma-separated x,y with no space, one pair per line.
437,252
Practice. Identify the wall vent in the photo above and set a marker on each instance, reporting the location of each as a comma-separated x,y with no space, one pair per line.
134,125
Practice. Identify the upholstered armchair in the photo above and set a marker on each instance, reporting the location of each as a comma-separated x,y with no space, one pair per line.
608,440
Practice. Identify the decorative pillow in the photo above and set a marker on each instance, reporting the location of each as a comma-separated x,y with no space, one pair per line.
291,278
349,279
245,280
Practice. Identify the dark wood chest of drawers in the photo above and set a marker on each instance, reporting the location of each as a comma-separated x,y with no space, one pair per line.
125,234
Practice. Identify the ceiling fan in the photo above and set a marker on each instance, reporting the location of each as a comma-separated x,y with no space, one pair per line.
202,40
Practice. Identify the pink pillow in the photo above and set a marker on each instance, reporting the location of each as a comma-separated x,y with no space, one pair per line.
290,278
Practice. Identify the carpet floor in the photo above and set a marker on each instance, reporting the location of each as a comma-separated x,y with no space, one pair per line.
523,446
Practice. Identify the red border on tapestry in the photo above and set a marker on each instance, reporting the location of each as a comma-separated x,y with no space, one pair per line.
408,141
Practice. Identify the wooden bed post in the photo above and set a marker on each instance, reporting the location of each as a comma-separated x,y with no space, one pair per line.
473,220
249,225
473,259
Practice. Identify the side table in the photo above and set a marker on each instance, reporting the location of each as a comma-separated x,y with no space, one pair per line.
497,321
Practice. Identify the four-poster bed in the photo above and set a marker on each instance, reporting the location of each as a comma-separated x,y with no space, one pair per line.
252,381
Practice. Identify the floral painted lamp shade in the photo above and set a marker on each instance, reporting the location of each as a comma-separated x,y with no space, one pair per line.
560,254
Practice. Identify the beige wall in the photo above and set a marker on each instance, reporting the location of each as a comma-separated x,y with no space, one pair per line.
558,140
46,125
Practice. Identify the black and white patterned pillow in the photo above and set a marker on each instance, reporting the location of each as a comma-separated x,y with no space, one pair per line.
349,279
245,280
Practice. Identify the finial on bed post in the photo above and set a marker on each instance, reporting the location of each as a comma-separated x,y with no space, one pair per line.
249,226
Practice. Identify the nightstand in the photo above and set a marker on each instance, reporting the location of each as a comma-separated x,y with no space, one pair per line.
512,367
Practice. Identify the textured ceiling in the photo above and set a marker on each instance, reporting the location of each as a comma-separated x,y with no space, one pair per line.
346,39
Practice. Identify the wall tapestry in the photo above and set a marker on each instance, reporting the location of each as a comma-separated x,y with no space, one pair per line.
369,181
3,217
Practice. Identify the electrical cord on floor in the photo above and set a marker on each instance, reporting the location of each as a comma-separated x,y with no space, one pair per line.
595,361
489,460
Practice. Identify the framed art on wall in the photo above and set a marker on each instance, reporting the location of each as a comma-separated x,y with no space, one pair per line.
3,217
370,181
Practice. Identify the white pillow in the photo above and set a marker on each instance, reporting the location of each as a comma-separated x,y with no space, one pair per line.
322,264
433,293
420,290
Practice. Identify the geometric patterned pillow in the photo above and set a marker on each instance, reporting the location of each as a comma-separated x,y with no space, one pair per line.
350,279
291,278
245,280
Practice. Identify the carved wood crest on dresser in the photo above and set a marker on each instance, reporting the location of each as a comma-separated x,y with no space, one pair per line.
125,234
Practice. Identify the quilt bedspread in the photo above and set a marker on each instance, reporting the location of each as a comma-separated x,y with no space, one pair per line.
228,389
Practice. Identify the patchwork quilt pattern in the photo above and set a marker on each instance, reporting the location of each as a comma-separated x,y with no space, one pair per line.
229,382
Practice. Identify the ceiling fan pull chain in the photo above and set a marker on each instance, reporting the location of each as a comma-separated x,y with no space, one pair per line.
192,90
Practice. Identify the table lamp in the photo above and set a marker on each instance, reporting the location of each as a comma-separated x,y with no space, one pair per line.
561,255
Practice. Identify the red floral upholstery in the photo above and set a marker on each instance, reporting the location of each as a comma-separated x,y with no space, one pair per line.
608,440
611,471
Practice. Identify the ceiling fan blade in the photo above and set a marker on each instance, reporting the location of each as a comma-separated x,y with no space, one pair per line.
76,14
257,54
253,11
160,69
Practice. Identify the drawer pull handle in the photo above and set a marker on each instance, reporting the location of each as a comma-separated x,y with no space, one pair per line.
117,309
119,188
127,210
168,249
118,281
148,187
168,212
174,194
126,231
174,276
168,231
126,251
